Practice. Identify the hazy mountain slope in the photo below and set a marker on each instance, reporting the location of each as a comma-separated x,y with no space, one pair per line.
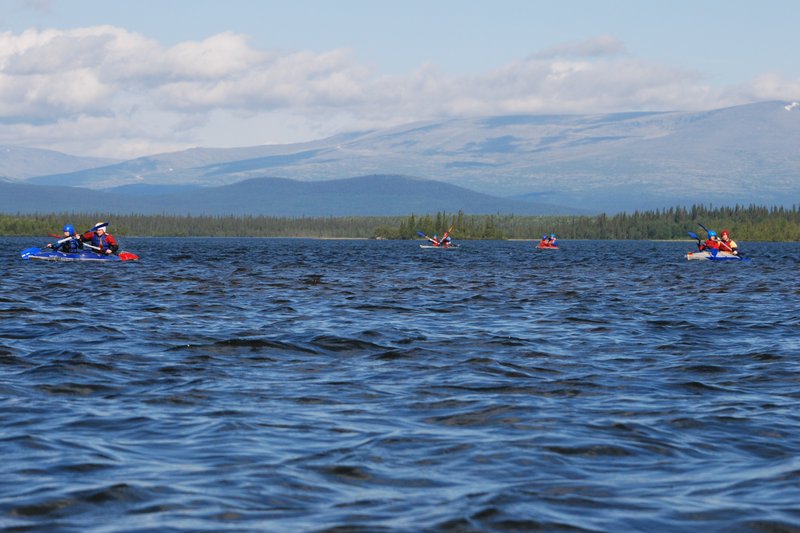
27,198
17,162
186,166
368,195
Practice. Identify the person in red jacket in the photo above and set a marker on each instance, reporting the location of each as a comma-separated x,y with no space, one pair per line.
712,243
101,240
726,244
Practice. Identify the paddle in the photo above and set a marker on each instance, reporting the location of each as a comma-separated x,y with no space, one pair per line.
432,240
96,227
443,241
123,256
734,252
76,236
729,249
71,237
28,252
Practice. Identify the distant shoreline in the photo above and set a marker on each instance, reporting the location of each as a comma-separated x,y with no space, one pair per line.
751,224
566,242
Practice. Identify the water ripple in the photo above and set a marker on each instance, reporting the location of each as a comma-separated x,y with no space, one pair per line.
282,385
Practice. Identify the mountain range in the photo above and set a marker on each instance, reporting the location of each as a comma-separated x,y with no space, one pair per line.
364,196
521,163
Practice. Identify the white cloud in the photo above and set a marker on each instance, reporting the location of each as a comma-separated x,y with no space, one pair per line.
299,80
773,87
104,90
219,56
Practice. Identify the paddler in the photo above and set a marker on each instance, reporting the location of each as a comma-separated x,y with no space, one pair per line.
101,239
726,244
711,243
71,245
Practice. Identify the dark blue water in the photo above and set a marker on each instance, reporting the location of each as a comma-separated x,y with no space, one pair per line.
285,385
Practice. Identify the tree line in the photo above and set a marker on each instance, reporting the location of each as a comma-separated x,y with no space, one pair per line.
746,223
750,223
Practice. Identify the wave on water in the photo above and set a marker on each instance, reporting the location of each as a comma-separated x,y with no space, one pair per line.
371,385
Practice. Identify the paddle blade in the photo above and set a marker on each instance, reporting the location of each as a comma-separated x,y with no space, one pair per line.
97,227
432,241
27,253
128,256
714,252
693,235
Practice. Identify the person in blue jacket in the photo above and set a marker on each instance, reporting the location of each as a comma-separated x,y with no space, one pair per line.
71,242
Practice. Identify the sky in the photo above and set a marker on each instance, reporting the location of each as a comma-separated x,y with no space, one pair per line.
127,78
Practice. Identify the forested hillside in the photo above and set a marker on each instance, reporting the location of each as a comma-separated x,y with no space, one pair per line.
750,223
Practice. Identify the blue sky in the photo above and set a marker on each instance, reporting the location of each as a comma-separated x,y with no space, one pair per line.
126,78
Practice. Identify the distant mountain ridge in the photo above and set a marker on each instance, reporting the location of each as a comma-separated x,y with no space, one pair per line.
601,162
367,195
19,162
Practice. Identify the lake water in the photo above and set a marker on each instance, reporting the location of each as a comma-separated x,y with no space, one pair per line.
304,385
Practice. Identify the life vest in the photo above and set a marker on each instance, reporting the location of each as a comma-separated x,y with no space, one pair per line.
727,246
103,242
100,241
71,246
